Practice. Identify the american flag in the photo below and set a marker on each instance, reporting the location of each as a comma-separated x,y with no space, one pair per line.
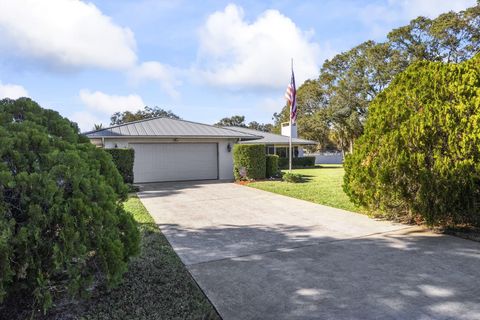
291,96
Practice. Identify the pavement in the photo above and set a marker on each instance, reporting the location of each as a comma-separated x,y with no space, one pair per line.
259,255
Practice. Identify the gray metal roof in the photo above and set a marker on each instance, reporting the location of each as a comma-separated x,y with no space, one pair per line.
166,127
270,138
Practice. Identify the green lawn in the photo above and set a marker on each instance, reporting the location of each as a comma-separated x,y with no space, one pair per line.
322,185
156,286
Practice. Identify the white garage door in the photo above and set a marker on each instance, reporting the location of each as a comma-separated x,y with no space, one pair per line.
155,162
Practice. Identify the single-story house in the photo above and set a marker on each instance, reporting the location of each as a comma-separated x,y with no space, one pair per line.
276,143
178,150
173,150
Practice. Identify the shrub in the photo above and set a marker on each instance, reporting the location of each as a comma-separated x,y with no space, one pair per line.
249,161
292,177
420,153
301,162
62,222
123,160
271,165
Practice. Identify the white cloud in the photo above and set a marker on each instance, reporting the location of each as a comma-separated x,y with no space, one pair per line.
163,74
236,53
273,104
85,120
12,91
66,34
109,104
381,18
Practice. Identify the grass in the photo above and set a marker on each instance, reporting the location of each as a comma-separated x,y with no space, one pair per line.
156,286
322,185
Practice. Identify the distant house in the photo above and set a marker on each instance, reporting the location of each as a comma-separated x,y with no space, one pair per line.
276,143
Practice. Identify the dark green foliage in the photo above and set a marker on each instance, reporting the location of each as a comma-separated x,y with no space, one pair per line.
123,160
301,162
61,222
292,177
235,121
272,165
146,113
249,161
265,127
420,153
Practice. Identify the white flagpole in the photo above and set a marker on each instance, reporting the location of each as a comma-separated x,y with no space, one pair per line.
290,138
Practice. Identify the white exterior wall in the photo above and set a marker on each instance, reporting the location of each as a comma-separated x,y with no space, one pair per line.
328,158
286,130
225,158
119,143
300,151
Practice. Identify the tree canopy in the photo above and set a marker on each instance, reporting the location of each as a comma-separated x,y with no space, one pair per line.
146,113
233,121
335,106
239,121
420,153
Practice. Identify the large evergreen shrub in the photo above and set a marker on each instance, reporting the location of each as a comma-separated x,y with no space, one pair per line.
61,222
249,161
420,153
300,162
123,160
271,165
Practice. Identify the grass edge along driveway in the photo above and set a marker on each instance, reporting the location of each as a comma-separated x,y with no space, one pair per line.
157,284
322,185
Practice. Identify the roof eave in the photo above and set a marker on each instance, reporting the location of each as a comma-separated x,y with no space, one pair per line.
172,137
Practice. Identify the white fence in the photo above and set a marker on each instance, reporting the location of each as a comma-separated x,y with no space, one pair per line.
327,158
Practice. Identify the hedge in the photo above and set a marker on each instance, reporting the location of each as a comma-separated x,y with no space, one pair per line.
249,161
123,160
62,223
301,162
272,165
419,156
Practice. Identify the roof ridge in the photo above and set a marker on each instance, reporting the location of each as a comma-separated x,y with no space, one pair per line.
156,118
126,123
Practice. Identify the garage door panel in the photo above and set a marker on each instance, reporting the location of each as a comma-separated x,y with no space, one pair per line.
175,161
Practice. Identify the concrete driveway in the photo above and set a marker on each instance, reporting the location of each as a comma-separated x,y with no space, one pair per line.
258,255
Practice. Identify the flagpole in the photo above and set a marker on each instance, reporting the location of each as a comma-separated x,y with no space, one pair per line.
290,137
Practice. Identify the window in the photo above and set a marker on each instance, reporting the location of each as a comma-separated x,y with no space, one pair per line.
282,152
269,150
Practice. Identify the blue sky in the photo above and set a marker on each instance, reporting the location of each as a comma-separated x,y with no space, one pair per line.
204,60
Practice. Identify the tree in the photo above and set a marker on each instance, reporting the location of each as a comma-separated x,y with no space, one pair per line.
420,153
146,113
451,37
265,127
312,117
98,126
351,80
234,121
62,222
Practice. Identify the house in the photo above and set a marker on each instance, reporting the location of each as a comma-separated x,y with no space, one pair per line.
178,150
174,150
276,143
